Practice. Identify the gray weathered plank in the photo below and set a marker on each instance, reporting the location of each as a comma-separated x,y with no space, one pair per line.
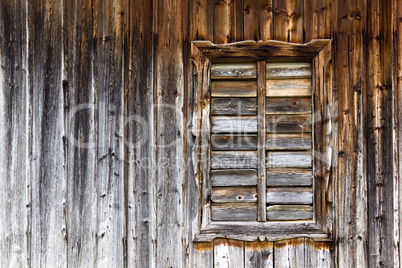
291,195
289,88
234,194
234,212
289,177
243,124
234,88
288,70
234,70
289,253
228,253
288,141
233,106
233,159
318,254
288,123
230,177
300,105
289,212
293,159
259,254
233,142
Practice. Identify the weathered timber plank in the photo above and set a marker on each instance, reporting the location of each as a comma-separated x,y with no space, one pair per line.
228,21
318,254
232,124
80,150
234,212
233,142
288,21
289,253
288,70
230,177
288,123
228,253
233,106
139,134
317,19
288,105
48,244
235,70
291,195
258,20
234,194
233,159
289,159
15,103
234,88
289,88
288,141
289,213
289,177
259,254
111,186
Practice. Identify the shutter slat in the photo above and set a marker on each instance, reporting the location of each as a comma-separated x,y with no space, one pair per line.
292,159
288,123
233,142
233,106
234,70
234,88
226,124
239,177
288,105
233,159
301,141
234,212
295,195
284,70
289,212
289,177
288,88
234,194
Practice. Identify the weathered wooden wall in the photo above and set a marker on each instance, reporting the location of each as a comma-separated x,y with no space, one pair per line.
123,197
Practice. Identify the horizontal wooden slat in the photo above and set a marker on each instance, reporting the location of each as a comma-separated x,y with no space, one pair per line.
295,105
233,106
296,195
234,88
234,177
288,123
292,70
221,142
233,159
289,88
234,194
289,177
289,213
292,159
234,212
233,70
233,124
299,141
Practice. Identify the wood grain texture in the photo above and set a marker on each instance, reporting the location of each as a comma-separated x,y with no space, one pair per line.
234,212
288,105
234,124
259,254
81,124
288,141
228,253
238,70
233,142
289,88
233,106
234,159
49,208
291,195
318,254
288,70
288,21
228,21
289,213
234,89
317,19
291,159
15,104
139,135
289,253
230,177
234,194
258,20
289,177
288,123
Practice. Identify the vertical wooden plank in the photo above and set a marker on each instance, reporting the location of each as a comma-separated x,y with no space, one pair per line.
228,21
288,21
318,254
289,253
110,183
262,170
15,185
200,20
168,90
259,254
228,253
380,139
49,235
139,133
351,188
258,20
317,19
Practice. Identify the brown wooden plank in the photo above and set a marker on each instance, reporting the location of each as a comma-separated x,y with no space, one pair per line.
234,212
201,20
233,106
232,124
300,141
291,195
289,177
289,213
288,105
289,88
289,159
230,177
228,21
233,142
288,70
228,253
288,123
289,253
234,194
317,19
259,254
288,21
234,88
234,70
258,20
233,159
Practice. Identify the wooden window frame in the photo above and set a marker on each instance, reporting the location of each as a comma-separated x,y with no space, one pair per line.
319,53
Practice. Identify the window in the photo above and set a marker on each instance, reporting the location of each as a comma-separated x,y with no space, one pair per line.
260,156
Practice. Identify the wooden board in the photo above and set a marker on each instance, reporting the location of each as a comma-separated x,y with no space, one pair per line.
259,254
289,159
234,88
228,253
233,124
237,70
258,20
228,21
233,159
233,106
288,105
288,123
288,141
288,70
234,212
288,20
221,142
289,213
285,196
289,253
289,88
289,177
234,194
230,177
